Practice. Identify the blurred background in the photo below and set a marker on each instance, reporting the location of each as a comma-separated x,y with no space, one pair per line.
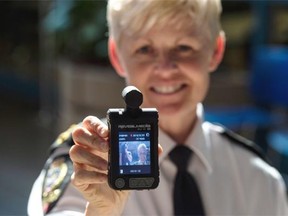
54,71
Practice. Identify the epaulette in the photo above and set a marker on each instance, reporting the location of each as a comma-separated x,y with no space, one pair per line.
63,140
241,141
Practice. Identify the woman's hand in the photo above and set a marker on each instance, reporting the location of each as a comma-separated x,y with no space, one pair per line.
90,160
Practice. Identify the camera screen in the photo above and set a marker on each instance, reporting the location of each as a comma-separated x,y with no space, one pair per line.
134,152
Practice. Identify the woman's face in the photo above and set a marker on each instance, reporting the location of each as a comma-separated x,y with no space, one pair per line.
170,67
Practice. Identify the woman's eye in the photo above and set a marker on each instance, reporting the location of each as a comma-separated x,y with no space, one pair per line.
184,48
144,50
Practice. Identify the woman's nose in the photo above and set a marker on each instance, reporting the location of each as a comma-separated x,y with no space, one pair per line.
164,62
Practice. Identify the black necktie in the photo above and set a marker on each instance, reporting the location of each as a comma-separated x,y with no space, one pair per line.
187,198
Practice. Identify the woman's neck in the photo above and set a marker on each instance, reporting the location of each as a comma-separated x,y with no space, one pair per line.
180,129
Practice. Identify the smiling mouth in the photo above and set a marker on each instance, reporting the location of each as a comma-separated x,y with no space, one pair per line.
166,90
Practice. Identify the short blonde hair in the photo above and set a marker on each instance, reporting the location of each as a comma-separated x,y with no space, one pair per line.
139,16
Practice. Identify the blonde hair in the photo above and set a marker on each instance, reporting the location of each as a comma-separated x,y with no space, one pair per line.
139,16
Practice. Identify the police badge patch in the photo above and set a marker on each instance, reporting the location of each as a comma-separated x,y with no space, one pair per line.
57,178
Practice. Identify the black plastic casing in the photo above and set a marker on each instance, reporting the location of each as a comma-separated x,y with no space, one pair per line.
121,120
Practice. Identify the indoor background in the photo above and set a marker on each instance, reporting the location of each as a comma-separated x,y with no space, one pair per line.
54,71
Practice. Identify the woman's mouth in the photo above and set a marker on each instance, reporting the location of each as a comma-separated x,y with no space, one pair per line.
169,89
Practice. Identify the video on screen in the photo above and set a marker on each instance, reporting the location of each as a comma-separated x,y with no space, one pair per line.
134,152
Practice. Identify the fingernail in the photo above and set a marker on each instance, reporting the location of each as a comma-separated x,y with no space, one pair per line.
102,131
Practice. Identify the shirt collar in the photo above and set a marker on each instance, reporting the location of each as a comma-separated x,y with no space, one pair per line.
197,141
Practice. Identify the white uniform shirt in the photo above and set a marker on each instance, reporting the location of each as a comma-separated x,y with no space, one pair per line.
232,180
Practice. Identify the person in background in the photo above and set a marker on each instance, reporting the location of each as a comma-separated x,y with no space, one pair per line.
167,49
126,155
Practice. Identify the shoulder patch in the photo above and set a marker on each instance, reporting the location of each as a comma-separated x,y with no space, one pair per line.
241,141
57,178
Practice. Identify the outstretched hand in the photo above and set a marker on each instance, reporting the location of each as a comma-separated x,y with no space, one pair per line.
90,160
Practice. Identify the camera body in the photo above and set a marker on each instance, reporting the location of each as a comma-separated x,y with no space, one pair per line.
133,153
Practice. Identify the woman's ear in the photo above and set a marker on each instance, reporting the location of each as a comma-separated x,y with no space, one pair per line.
218,52
114,58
